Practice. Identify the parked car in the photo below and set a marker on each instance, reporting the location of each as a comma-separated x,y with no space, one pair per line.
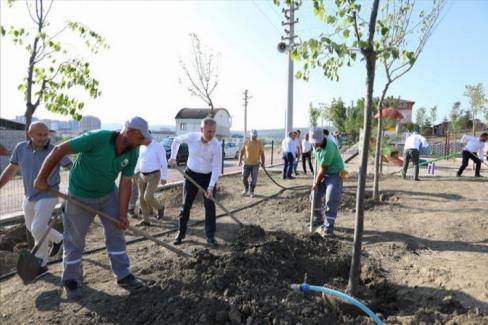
231,150
182,155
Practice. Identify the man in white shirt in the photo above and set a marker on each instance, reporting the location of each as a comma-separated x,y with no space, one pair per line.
288,148
307,154
331,137
153,169
203,166
298,141
474,146
411,152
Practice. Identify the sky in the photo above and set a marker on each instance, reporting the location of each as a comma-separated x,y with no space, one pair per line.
139,74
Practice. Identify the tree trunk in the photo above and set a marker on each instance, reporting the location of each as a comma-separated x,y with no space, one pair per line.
379,138
370,56
474,125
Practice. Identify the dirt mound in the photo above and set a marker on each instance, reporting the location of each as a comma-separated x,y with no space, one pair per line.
10,237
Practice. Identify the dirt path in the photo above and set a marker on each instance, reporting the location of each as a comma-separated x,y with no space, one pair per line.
425,260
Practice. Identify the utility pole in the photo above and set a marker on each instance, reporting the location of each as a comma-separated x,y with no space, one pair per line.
246,98
283,47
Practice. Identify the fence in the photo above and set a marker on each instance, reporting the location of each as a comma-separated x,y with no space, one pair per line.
437,149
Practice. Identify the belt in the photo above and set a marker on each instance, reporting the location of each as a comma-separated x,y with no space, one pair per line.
149,173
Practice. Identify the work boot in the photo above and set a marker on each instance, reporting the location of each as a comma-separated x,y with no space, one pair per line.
160,213
72,289
55,248
130,282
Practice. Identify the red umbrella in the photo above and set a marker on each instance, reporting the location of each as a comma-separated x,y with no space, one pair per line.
390,113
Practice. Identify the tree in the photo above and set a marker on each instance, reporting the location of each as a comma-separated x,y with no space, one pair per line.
313,115
421,117
477,101
433,117
406,36
202,72
53,73
455,117
331,50
336,112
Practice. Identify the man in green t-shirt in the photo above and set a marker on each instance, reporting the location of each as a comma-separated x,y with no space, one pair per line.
102,156
328,180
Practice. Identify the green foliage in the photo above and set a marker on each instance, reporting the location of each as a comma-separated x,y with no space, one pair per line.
477,100
313,115
54,73
421,117
455,117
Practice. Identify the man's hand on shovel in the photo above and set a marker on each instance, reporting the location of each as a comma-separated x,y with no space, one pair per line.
123,222
41,185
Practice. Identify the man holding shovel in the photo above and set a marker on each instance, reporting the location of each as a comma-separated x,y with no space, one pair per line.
473,150
203,166
102,156
28,156
328,180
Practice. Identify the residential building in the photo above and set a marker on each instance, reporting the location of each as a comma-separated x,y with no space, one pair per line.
89,122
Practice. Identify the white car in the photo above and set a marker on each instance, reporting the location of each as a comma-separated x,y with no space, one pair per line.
231,150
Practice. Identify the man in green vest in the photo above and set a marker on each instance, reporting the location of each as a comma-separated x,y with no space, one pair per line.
101,156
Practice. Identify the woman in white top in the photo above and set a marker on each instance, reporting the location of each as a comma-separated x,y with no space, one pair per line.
306,154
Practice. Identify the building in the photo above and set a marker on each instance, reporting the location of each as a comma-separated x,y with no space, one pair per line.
405,107
189,119
89,122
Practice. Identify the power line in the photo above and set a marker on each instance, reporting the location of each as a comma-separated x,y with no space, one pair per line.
265,16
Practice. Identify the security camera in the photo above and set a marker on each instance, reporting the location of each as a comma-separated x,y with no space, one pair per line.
282,47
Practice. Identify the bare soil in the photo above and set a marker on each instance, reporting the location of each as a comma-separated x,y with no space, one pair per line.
425,261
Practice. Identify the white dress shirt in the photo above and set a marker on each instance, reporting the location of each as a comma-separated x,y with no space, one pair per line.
151,158
473,144
306,145
203,158
288,145
414,141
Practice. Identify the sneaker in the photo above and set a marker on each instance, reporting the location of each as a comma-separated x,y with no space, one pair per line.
130,282
72,289
55,249
251,194
211,241
160,213
42,272
244,192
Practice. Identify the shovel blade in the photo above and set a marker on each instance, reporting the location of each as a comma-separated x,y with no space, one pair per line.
28,266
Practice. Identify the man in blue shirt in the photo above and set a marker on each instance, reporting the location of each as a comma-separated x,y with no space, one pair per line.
28,157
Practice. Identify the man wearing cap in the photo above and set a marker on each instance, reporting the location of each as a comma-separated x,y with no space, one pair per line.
101,156
328,181
28,157
252,151
203,166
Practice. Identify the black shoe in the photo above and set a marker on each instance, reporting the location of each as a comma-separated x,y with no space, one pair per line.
317,222
55,248
42,272
478,175
404,176
130,282
179,239
72,289
458,175
417,179
160,214
211,241
291,177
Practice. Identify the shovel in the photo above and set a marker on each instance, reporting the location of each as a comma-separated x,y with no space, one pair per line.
134,230
211,199
28,264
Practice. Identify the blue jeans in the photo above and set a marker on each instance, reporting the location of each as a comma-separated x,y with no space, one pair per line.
289,158
253,171
331,187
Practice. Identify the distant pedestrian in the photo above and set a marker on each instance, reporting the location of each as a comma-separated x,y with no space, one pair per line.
328,180
307,154
38,207
153,170
331,137
474,150
288,149
253,153
203,166
298,141
411,151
